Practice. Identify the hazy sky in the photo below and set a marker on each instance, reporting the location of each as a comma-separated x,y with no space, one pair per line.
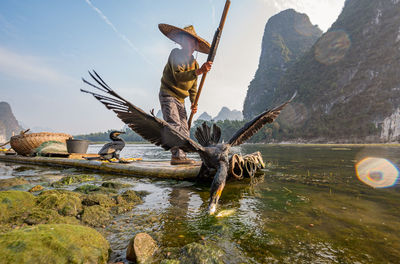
46,46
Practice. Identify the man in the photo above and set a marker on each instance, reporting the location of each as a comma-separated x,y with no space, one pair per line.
179,81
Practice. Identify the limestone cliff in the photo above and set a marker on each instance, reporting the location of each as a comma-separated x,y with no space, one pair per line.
348,83
287,36
8,123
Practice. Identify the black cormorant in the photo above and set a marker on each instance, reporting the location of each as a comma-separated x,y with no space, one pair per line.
214,156
112,149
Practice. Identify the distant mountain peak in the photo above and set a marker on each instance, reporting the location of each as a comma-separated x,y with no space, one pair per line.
204,116
226,114
8,123
287,36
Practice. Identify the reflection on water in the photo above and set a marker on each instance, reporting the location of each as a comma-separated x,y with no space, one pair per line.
309,207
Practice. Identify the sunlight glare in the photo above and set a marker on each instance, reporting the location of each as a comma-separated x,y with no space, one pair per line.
377,172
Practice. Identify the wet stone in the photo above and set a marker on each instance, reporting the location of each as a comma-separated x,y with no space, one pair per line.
98,199
36,188
115,185
11,182
88,188
201,254
141,248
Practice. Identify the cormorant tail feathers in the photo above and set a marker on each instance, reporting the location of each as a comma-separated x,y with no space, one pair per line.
206,137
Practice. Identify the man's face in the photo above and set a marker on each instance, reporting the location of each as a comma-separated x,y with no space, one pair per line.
188,43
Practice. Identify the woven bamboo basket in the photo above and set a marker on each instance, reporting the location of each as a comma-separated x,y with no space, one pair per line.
24,144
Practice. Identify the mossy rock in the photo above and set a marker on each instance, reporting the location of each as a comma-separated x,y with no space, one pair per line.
98,199
64,202
96,216
11,182
126,201
115,185
129,197
48,216
54,244
68,180
195,253
89,188
14,204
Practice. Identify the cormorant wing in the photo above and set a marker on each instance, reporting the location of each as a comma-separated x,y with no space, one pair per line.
151,128
252,127
107,149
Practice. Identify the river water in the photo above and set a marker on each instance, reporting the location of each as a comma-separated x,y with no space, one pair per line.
309,206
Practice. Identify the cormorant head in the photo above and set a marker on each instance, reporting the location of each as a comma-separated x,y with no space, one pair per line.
114,134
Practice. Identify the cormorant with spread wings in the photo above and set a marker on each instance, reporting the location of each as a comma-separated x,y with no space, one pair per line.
157,131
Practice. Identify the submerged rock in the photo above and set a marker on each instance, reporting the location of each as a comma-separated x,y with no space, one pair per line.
54,244
11,182
141,248
195,253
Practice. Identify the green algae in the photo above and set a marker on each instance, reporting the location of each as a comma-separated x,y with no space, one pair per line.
47,216
126,201
14,205
103,200
89,188
66,203
73,179
115,185
96,216
54,244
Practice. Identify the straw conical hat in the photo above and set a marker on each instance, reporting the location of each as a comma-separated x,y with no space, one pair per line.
172,33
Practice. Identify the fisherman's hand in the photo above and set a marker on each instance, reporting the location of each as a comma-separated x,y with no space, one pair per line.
194,108
206,67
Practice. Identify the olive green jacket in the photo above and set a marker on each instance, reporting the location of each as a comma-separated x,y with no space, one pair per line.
179,77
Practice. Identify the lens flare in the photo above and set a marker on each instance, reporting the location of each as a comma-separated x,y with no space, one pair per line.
332,47
377,172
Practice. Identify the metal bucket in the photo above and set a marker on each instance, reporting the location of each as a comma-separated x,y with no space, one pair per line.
77,146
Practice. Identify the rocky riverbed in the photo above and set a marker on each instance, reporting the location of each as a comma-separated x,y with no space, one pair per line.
66,216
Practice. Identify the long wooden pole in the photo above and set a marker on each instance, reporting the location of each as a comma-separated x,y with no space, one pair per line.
211,56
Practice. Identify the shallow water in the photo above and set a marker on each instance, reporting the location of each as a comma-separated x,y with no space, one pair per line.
308,207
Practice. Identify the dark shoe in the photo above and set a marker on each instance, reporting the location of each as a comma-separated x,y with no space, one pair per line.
181,161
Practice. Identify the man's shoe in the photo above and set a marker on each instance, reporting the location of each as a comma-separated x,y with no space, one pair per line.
181,161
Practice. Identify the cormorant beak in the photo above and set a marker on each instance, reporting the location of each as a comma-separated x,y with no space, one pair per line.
119,133
212,207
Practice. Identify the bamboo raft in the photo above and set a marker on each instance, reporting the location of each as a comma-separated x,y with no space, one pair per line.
155,169
239,166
